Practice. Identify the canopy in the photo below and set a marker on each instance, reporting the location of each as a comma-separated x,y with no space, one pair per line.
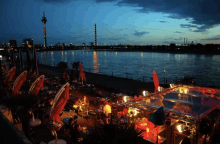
10,74
158,117
59,103
18,82
156,81
188,104
37,84
82,74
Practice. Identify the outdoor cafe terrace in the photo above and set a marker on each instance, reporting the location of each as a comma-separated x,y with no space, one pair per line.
65,110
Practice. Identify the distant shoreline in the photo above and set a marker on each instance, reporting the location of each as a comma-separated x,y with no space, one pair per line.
217,52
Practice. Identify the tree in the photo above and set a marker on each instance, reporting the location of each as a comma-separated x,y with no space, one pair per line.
172,46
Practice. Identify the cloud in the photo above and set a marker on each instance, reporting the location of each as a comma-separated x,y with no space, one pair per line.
140,34
55,1
163,21
178,32
213,38
204,13
188,26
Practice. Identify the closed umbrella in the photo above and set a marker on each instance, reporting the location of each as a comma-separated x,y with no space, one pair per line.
18,82
37,84
82,74
60,101
10,74
28,59
35,67
156,81
58,106
20,58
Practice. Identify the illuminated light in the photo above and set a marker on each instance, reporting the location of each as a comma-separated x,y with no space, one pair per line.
179,128
126,98
185,91
171,85
135,112
145,93
160,88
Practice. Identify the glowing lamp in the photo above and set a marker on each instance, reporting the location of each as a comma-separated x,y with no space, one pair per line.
160,88
171,85
84,99
179,128
145,93
185,91
135,112
126,98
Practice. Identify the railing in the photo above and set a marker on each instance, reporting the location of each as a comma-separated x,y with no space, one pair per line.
10,134
112,73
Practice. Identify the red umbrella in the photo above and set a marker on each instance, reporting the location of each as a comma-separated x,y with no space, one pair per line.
82,74
59,102
18,82
156,81
35,87
11,74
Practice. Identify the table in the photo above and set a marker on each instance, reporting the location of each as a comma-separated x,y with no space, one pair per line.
35,122
122,120
66,120
60,141
98,110
153,139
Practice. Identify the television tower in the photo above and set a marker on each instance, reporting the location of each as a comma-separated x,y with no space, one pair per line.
44,20
95,35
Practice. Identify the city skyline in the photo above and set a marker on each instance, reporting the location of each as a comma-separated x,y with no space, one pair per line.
117,22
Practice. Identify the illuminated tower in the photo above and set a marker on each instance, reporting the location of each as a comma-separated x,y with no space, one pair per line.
44,20
95,36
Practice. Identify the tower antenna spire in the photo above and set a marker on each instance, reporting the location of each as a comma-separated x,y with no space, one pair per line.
44,20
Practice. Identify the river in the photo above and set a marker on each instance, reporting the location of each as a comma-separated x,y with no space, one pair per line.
205,68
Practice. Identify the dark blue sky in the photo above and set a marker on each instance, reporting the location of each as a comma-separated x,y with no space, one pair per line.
124,21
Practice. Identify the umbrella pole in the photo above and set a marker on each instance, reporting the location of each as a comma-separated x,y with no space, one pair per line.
157,136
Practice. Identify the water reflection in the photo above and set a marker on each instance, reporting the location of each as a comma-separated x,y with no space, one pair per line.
95,62
176,65
62,56
65,56
52,59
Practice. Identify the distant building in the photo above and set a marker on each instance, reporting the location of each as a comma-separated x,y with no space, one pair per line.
27,42
13,43
3,44
71,44
63,44
38,45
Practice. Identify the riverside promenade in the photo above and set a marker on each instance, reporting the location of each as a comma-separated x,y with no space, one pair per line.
110,83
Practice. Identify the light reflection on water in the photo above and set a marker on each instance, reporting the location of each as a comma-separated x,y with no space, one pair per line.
205,68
